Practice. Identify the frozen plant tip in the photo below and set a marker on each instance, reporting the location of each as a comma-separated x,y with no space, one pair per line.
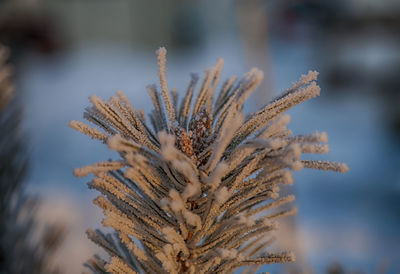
196,182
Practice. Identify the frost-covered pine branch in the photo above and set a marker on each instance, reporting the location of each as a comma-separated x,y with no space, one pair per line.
24,248
196,182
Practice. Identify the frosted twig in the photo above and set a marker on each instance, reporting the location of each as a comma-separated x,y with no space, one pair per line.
194,195
162,60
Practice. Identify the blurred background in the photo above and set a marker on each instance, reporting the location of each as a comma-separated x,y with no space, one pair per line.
64,51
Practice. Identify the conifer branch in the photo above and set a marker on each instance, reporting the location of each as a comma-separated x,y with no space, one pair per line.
194,194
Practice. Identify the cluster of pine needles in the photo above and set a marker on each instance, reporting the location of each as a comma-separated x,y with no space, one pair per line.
197,187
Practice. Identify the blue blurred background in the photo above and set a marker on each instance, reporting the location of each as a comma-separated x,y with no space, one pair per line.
64,51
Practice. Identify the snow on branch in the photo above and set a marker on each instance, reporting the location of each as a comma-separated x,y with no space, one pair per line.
194,189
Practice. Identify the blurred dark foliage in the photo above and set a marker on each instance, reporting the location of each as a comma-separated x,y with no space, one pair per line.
21,31
376,71
24,248
335,268
187,27
358,49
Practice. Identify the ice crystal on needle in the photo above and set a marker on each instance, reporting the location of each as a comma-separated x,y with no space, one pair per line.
194,189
